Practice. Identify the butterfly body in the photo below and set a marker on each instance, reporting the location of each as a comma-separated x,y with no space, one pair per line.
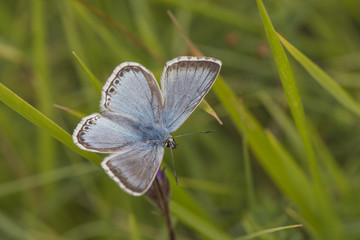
138,117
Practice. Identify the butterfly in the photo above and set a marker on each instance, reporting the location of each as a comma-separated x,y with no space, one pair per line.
137,117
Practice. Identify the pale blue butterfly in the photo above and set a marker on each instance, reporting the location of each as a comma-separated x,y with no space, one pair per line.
137,117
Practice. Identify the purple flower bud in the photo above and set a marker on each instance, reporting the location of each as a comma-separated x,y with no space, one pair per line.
153,194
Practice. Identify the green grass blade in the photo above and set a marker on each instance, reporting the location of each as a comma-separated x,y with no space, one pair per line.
91,76
116,46
200,225
290,88
40,228
134,229
281,167
283,122
204,105
332,168
181,194
328,83
46,152
284,170
125,51
12,54
71,111
218,13
206,186
325,157
329,226
74,41
251,201
267,231
10,228
39,58
41,121
144,21
58,174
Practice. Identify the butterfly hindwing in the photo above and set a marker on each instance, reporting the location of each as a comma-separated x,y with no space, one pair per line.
134,170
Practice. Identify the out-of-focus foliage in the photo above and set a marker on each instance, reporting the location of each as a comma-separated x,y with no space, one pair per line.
287,152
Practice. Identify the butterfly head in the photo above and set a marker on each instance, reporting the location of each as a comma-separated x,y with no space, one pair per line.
170,143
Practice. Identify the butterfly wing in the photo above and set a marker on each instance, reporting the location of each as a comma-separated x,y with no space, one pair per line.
185,82
134,170
104,133
132,89
130,98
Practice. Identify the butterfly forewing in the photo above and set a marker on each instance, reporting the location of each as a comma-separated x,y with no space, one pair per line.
185,82
134,170
132,89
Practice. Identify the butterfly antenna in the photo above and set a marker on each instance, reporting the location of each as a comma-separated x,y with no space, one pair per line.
187,134
172,156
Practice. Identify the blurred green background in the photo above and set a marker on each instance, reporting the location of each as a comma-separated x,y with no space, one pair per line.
254,174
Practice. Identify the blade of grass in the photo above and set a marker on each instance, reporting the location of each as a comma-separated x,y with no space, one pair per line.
133,226
119,47
144,21
352,6
282,168
328,83
91,76
71,111
10,228
283,122
195,222
247,169
71,34
58,174
46,155
279,165
12,54
331,166
206,186
267,231
204,105
217,13
178,46
137,42
291,90
40,228
41,121
325,210
190,45
179,193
